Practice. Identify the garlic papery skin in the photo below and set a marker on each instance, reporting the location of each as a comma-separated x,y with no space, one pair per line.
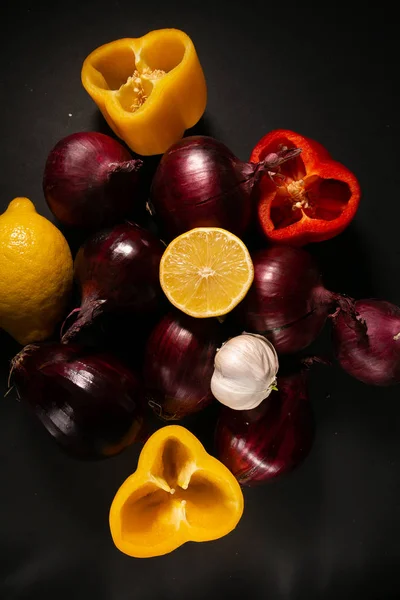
245,371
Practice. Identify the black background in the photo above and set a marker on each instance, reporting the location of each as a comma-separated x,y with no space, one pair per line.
330,529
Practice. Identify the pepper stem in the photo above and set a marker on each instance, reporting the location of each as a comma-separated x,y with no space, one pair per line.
273,161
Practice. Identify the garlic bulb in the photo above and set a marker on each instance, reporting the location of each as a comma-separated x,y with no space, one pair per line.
245,371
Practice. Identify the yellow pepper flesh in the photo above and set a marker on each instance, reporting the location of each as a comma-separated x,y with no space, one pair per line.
178,493
149,89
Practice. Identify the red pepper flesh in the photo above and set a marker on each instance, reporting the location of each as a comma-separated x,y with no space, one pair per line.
313,198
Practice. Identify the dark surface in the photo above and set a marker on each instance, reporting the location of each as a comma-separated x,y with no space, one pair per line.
331,529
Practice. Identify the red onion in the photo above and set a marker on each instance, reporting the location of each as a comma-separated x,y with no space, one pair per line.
287,302
118,271
259,444
179,363
370,353
90,180
200,183
91,404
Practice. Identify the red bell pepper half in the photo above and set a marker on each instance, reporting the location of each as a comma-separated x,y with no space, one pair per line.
313,198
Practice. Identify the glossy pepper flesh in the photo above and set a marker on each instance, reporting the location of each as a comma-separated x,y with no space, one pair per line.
178,493
149,89
312,199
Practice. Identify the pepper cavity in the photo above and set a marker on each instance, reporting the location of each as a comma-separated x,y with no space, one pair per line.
138,87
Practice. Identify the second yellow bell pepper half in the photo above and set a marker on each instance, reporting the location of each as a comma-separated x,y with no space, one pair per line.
178,493
149,89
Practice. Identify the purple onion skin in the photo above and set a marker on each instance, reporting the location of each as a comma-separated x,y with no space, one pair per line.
91,181
261,444
372,356
117,271
179,363
201,183
92,405
287,301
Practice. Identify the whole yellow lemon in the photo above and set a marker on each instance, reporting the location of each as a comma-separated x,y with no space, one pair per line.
35,273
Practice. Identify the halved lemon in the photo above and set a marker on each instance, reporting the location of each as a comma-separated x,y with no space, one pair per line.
206,272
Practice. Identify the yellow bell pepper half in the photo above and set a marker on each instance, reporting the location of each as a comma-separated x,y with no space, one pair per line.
149,89
178,493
